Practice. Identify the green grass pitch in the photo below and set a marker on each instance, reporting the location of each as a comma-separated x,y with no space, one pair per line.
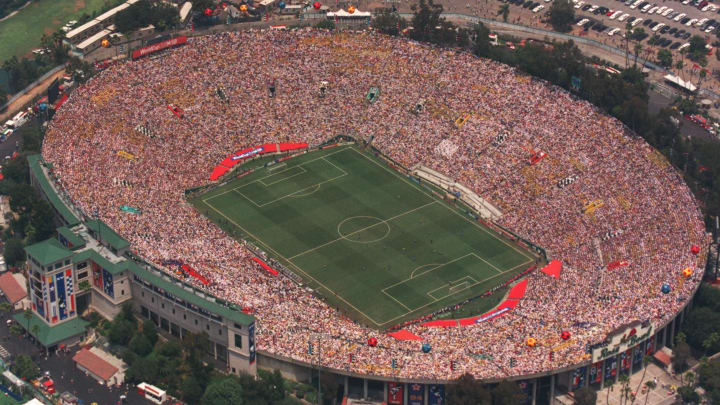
371,241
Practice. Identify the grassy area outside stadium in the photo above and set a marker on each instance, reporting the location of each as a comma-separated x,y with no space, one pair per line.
369,240
22,32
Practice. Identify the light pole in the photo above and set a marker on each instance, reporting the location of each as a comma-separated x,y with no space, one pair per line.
315,336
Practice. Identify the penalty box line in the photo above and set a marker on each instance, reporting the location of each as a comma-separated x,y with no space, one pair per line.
472,284
316,185
206,199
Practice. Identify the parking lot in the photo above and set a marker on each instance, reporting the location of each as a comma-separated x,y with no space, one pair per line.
666,24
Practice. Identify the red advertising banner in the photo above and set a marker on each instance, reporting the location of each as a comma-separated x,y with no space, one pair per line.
395,393
139,53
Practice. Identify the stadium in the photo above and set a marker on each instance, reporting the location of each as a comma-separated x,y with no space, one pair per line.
349,190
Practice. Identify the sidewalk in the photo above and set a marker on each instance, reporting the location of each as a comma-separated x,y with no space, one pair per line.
657,396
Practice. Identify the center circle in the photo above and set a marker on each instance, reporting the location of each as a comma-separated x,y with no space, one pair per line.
363,229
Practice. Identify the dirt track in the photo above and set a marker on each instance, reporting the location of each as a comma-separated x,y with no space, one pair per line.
28,97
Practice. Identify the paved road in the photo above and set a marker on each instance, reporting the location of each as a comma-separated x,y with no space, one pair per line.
66,375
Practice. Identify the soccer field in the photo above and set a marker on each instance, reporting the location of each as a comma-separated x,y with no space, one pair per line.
371,241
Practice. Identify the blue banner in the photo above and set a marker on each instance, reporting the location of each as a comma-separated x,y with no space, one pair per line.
60,286
251,342
610,368
436,395
638,357
416,394
108,286
578,378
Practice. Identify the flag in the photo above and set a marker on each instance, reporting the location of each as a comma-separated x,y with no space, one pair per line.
395,393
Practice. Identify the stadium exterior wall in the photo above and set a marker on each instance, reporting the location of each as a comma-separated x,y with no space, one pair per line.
560,380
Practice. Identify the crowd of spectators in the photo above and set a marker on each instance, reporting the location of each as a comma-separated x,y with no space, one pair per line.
640,198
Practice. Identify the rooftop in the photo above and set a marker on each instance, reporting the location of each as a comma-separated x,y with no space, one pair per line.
50,335
107,234
11,288
48,251
76,241
95,364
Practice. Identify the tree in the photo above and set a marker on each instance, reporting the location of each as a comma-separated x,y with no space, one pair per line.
481,39
150,331
16,330
650,386
144,13
711,341
638,34
201,5
699,327
562,15
681,354
227,391
504,10
5,308
140,345
508,393
17,170
709,379
426,16
3,96
27,315
388,21
121,331
624,381
697,49
275,385
638,49
466,390
84,286
688,395
192,391
665,58
645,360
326,25
25,368
585,396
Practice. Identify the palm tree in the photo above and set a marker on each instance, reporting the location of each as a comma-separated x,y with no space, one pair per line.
638,49
628,34
28,316
689,379
5,308
35,329
624,381
504,10
645,360
679,66
607,386
651,386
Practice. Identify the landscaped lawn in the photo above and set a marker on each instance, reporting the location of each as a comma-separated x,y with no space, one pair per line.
21,33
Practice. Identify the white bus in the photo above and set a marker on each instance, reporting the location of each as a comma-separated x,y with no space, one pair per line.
151,393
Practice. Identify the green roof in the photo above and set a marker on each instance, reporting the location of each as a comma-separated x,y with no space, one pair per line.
48,251
107,234
65,212
76,241
97,258
49,335
212,307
